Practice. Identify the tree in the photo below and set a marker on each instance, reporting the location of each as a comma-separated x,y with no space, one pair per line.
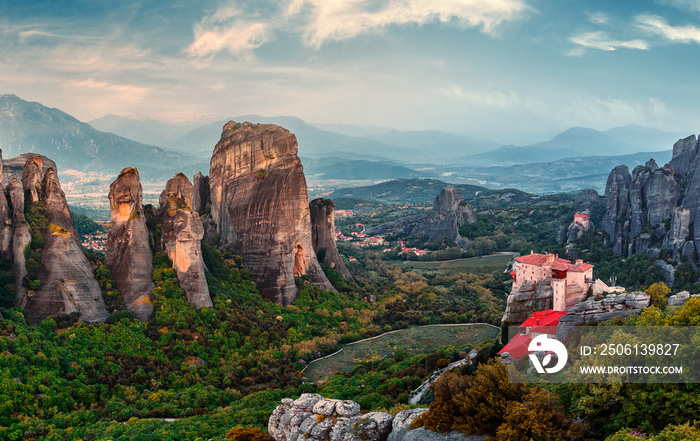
658,292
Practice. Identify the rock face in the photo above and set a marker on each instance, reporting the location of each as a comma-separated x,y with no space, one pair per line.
312,417
201,202
31,179
598,311
323,235
67,280
260,206
587,199
5,220
13,168
536,297
182,233
449,213
20,236
643,201
129,256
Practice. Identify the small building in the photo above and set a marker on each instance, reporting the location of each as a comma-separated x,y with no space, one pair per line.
540,322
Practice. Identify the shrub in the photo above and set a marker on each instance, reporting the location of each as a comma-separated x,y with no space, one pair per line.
248,434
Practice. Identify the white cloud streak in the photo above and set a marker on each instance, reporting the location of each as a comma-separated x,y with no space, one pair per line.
320,21
659,26
600,40
343,19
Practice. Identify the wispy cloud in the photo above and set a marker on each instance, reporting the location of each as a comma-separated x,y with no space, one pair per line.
320,21
344,19
483,98
598,18
601,41
693,5
659,26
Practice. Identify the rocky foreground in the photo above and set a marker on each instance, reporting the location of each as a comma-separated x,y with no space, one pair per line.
313,417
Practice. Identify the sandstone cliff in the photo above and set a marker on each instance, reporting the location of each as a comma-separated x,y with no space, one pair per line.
323,235
5,220
31,179
129,256
13,168
182,233
20,237
201,202
67,280
260,206
538,296
448,214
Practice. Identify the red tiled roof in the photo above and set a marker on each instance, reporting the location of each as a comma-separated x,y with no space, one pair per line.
547,317
517,346
557,263
581,215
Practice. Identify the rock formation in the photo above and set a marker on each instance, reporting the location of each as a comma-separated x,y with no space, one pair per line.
31,179
182,233
323,235
13,168
312,417
645,199
587,199
606,308
129,256
680,298
201,202
67,280
448,214
20,236
260,206
5,220
536,296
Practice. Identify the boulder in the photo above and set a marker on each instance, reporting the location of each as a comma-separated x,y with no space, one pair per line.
182,233
67,280
129,256
323,235
402,423
608,307
259,204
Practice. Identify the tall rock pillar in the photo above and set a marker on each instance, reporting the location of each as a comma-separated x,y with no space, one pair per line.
129,255
260,206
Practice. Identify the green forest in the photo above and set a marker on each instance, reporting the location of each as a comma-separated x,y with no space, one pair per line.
188,375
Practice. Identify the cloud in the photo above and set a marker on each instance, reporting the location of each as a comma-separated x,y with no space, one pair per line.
237,38
600,40
343,19
598,18
496,99
320,21
659,26
693,5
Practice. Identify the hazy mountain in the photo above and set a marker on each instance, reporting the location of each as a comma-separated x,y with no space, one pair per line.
353,129
31,127
142,129
435,143
563,175
580,142
349,169
313,142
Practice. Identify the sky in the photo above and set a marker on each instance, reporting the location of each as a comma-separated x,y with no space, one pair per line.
508,70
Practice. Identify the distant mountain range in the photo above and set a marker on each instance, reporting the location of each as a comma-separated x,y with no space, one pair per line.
31,127
579,142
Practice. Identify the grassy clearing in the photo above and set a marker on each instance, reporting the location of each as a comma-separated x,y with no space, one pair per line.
413,340
474,265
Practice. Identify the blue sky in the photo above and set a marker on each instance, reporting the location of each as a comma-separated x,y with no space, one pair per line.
505,69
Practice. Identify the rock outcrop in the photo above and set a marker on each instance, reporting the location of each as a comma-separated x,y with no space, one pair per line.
530,297
323,235
5,220
20,237
312,417
640,206
129,256
260,206
680,298
182,233
31,179
608,307
201,202
13,168
587,199
448,214
67,280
